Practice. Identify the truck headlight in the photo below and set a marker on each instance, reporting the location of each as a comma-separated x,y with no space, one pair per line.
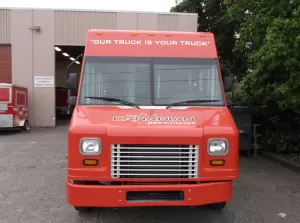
217,147
90,146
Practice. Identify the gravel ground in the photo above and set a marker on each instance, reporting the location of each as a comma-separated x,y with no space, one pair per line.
32,189
293,157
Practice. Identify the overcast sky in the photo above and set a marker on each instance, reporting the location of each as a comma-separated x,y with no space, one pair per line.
120,5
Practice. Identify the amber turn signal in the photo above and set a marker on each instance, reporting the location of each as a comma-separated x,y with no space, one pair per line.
217,162
90,162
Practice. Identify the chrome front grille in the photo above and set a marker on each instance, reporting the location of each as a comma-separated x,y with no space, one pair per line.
154,161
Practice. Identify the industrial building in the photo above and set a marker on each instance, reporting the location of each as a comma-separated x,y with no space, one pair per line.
40,43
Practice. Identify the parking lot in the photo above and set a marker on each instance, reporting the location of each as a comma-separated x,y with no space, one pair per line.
32,188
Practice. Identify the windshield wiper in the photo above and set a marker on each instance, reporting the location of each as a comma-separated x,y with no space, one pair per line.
190,101
115,100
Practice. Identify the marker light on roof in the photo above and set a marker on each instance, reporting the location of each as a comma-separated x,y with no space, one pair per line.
168,34
57,48
99,33
151,34
65,54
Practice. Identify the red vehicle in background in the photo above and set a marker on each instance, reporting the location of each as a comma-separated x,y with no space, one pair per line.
61,100
150,125
13,106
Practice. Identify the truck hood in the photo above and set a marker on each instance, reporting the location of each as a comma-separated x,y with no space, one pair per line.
118,122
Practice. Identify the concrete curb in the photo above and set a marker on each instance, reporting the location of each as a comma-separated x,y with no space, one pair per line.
284,162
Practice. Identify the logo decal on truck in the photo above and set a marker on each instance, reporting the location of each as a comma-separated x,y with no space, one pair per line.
156,120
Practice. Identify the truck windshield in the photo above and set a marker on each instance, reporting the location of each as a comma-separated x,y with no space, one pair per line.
151,81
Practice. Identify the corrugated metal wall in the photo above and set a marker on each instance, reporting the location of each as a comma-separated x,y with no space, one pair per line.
71,26
4,26
168,22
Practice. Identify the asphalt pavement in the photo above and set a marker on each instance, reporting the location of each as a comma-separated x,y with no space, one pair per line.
32,189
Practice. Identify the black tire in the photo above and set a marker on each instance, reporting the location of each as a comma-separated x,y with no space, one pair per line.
25,127
83,209
217,206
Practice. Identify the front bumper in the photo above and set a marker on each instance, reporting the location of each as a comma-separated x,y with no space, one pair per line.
115,196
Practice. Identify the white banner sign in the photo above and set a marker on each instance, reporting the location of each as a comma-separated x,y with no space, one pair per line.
43,81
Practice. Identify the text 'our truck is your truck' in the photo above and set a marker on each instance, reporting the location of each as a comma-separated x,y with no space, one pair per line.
150,42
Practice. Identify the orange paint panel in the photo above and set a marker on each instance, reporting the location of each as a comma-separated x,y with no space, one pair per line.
180,44
115,196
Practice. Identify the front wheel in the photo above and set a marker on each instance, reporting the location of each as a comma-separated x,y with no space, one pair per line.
83,209
217,206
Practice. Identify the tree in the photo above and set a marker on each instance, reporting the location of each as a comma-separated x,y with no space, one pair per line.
265,57
270,40
212,17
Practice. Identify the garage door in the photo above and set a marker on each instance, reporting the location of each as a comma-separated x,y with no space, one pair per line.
5,64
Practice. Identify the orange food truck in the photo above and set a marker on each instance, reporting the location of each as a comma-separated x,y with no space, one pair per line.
150,125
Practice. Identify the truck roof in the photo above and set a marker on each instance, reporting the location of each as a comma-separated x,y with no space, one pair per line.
147,31
149,43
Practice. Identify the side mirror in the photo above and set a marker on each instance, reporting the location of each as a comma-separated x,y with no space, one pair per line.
229,103
73,81
228,83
